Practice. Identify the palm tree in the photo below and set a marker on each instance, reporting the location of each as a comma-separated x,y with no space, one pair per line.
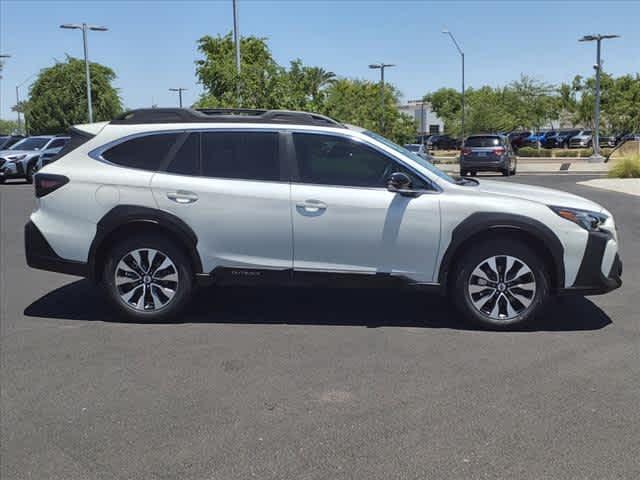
318,78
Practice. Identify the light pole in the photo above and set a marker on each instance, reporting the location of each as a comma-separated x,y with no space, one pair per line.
236,41
84,27
2,55
596,157
179,90
18,102
381,66
447,32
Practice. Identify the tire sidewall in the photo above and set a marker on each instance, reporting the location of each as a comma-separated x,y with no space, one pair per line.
177,256
474,257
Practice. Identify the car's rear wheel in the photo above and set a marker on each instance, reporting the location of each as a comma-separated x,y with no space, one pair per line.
148,278
500,284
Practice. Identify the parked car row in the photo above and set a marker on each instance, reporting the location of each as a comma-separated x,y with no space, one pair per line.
575,138
21,157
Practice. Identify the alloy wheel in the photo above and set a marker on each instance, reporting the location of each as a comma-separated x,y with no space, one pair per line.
502,287
146,279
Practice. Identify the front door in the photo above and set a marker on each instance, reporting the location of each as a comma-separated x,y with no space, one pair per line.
346,221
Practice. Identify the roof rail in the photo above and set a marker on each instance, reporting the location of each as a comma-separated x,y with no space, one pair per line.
222,115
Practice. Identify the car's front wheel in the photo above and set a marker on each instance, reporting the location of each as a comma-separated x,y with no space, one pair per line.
31,170
148,278
500,284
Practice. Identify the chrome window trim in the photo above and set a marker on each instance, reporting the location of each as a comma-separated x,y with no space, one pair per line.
97,152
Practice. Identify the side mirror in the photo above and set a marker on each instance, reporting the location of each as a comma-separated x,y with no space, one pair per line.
401,183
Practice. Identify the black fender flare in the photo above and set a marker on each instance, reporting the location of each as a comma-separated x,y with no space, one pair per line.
485,222
132,215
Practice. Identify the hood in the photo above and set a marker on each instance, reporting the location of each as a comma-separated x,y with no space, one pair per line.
8,153
546,196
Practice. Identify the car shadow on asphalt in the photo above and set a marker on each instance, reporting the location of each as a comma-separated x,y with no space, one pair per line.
81,300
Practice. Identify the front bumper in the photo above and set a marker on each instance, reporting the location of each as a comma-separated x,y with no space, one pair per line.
594,276
40,255
11,169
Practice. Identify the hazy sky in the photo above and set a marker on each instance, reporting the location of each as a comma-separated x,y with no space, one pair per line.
151,44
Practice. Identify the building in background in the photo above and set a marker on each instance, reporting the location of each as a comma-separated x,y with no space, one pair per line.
426,119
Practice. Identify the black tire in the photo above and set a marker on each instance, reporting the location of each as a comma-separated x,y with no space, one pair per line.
473,173
475,258
515,166
182,287
463,173
28,175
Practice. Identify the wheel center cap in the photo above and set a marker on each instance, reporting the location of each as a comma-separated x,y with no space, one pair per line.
146,279
501,287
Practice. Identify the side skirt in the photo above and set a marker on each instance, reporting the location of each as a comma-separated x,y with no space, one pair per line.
229,276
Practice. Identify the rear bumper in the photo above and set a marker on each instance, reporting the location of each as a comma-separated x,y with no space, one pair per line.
483,165
41,256
594,276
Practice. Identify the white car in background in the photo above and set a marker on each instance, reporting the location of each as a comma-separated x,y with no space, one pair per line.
21,159
160,200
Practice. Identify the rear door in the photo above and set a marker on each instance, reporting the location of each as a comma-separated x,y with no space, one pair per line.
229,187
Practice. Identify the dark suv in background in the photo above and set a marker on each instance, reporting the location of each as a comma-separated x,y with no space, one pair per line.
492,153
560,139
442,142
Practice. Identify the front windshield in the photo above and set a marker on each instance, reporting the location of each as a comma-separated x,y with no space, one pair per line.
411,156
32,143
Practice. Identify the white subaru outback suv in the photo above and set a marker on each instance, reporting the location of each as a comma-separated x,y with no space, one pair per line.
158,201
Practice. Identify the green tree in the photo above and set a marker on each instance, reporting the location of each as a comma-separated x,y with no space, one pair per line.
8,127
58,98
358,102
261,79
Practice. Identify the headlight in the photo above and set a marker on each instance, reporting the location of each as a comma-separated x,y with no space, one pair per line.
590,221
15,158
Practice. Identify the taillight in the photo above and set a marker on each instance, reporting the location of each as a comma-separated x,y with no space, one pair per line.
45,183
466,151
498,151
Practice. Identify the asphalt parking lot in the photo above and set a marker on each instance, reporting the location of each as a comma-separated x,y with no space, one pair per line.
313,383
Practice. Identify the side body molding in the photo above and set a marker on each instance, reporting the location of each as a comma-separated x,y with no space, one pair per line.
124,216
485,222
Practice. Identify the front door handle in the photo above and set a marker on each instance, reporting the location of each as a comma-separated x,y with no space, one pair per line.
311,208
182,196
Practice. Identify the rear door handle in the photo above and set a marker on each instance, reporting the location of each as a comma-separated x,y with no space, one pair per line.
182,196
311,207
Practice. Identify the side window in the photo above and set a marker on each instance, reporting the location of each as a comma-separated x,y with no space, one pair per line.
332,160
187,159
58,143
146,152
243,155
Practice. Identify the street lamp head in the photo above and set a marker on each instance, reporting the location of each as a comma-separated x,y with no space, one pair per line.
98,28
71,26
591,38
375,65
446,31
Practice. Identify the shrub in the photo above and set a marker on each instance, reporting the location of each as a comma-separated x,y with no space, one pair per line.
533,152
572,153
628,167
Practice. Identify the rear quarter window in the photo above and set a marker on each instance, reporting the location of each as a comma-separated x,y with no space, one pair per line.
144,153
